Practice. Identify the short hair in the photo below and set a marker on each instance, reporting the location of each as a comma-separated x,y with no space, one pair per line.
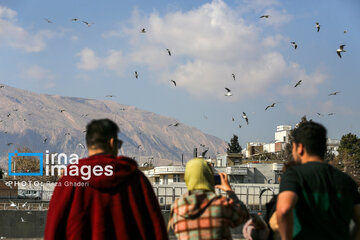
99,132
312,136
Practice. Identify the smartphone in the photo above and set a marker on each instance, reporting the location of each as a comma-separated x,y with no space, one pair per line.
217,179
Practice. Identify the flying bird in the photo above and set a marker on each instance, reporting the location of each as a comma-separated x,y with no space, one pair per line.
67,134
330,114
110,96
202,145
233,119
44,141
81,145
8,115
24,205
228,94
204,153
74,19
298,83
270,106
23,220
2,86
334,93
136,75
87,23
143,30
48,21
9,144
168,50
340,49
319,114
317,25
345,31
62,110
244,116
240,126
173,82
233,75
264,190
175,124
12,204
265,16
294,44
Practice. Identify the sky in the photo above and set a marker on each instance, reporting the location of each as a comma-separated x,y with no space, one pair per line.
209,41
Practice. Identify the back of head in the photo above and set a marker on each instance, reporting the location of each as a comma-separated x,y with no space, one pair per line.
99,132
312,136
199,175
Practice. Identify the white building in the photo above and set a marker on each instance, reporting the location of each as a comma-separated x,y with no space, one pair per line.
282,133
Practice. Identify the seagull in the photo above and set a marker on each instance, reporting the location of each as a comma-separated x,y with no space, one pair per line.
340,49
233,119
143,30
168,50
175,125
202,145
87,24
110,96
272,105
139,146
345,31
24,205
246,118
330,114
317,25
334,93
12,204
62,110
67,134
233,75
29,212
173,82
264,190
240,126
9,144
8,115
44,141
74,19
228,94
294,44
23,220
85,115
298,83
204,153
136,75
81,145
265,16
48,21
2,86
319,114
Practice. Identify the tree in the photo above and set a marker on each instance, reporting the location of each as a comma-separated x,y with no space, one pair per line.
348,159
234,146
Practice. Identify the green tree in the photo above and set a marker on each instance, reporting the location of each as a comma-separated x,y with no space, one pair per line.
234,146
348,159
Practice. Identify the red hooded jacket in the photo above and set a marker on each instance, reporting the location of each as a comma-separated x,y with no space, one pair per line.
121,206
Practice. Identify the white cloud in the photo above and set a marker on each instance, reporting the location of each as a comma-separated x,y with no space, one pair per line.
13,35
89,61
210,43
38,74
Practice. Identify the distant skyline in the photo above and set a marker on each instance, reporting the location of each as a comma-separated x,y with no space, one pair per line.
46,52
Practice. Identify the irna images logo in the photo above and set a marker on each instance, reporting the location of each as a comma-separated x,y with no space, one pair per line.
12,164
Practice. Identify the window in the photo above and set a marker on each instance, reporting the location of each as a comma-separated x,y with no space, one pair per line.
165,179
157,180
161,200
176,178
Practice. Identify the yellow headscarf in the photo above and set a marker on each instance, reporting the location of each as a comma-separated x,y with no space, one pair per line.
199,175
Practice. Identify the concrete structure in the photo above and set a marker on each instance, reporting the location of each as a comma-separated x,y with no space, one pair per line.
333,146
282,133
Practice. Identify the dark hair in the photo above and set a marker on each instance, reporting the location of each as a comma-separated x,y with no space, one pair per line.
99,132
312,136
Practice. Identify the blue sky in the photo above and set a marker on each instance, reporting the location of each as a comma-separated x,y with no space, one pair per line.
209,41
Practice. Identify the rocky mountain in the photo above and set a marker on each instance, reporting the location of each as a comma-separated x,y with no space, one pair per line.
43,122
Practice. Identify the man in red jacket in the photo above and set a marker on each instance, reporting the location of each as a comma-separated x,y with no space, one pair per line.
104,196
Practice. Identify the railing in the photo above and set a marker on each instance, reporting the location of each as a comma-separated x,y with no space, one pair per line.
248,194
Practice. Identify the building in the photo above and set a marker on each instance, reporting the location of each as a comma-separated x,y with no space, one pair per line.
282,133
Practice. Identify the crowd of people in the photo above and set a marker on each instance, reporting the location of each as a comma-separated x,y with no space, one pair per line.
315,201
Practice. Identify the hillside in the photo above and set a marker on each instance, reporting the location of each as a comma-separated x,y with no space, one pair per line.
27,119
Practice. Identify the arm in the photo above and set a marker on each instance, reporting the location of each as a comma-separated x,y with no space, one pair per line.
356,217
284,211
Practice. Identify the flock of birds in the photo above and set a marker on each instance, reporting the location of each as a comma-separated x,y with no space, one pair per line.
228,92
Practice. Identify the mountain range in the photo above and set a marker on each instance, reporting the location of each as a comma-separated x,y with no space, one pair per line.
43,122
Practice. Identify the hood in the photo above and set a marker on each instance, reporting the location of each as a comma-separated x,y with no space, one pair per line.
196,202
116,170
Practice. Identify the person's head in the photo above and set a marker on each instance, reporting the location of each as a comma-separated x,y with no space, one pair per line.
101,136
199,175
309,139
